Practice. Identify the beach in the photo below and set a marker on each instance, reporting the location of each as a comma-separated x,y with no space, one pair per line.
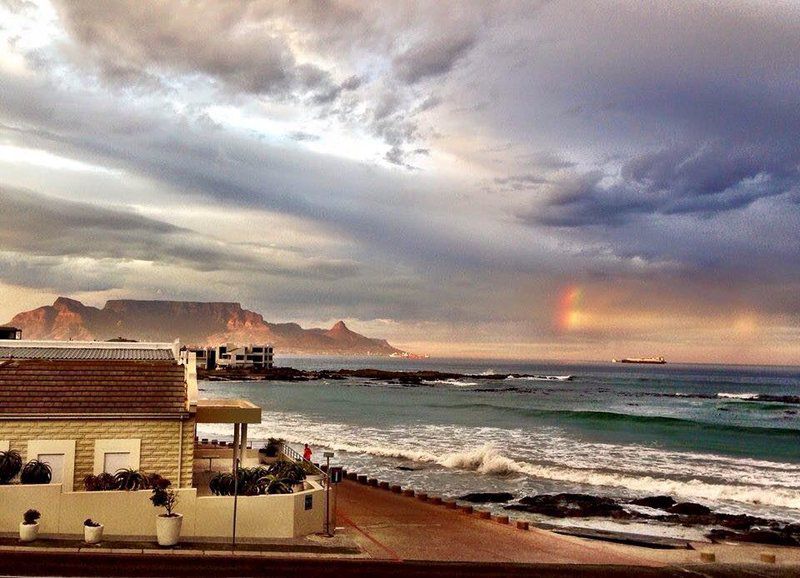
619,432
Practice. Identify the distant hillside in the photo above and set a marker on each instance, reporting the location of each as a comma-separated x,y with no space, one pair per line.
194,323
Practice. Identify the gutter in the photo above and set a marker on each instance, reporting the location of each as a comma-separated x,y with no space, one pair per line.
88,416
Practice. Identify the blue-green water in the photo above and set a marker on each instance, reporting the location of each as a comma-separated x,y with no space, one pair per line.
726,436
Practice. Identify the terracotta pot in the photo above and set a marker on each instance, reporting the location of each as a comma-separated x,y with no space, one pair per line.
168,529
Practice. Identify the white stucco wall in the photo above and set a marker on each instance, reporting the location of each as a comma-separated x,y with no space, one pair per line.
131,514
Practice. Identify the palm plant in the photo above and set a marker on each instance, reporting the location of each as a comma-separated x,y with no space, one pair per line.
36,472
10,465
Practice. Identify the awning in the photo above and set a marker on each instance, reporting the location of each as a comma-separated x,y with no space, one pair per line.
227,411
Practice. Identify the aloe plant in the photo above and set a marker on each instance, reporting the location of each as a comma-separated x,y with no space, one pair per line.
99,483
36,472
10,465
131,480
249,482
290,471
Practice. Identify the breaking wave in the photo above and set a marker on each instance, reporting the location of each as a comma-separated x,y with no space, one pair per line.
488,460
542,377
745,396
455,382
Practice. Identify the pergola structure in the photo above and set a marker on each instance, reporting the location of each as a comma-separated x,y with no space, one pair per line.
238,412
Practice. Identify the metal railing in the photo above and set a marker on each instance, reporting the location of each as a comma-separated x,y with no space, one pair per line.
309,466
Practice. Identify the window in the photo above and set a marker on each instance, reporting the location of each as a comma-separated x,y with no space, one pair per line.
113,455
59,455
56,463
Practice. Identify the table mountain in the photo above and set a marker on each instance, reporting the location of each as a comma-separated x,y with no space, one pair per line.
194,323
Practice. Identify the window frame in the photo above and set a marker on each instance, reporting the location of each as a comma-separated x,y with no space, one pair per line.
65,447
132,446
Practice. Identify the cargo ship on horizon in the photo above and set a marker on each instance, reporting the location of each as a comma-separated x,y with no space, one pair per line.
650,360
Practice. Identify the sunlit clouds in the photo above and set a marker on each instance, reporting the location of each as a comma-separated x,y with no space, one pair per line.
517,179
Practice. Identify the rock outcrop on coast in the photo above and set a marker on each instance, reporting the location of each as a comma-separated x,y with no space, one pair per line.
722,526
195,323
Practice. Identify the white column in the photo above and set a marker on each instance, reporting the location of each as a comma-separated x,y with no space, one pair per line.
235,446
243,451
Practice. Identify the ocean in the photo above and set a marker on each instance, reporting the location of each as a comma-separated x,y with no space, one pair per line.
724,436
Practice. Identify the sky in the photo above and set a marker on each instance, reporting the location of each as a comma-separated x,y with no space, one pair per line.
544,179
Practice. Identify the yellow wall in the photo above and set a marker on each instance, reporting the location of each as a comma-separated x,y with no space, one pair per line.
161,443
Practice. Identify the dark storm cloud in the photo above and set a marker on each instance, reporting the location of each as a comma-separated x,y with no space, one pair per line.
433,57
711,179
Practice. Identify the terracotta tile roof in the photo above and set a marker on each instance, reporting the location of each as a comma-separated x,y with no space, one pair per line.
121,353
54,387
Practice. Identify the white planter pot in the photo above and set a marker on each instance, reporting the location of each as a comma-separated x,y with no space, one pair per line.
93,534
168,529
28,532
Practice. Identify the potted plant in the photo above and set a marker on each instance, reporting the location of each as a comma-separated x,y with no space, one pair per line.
168,524
10,465
36,472
92,531
29,527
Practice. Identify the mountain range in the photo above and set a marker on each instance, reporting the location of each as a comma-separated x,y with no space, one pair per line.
194,323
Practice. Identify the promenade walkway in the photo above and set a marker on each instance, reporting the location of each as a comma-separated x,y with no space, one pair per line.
394,527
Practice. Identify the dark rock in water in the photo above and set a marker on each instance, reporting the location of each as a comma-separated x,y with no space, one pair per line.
487,497
406,468
657,502
689,509
739,521
756,536
567,505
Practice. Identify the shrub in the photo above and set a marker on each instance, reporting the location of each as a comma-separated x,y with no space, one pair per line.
10,465
272,447
99,483
36,472
31,517
91,523
164,497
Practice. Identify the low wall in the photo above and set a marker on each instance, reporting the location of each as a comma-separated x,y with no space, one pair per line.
131,514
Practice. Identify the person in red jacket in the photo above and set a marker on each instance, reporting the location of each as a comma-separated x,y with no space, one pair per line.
307,453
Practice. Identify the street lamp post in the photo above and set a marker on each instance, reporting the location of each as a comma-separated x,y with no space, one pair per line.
328,456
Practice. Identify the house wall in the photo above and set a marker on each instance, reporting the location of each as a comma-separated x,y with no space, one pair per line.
130,514
161,444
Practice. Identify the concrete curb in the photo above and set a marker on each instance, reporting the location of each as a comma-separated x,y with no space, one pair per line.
448,503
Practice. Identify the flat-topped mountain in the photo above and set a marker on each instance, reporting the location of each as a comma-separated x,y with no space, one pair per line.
194,323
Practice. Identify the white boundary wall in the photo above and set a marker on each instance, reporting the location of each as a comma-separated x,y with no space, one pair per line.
131,514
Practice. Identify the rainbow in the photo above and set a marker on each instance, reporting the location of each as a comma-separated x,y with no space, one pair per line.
569,316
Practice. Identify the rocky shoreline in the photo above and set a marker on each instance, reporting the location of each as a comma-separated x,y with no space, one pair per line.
721,526
394,377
